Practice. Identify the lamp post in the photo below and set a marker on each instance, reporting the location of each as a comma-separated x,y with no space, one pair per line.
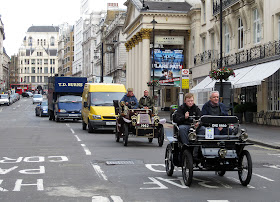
153,63
221,47
101,79
92,70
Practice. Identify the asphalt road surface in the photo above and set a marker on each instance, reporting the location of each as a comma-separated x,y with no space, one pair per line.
41,160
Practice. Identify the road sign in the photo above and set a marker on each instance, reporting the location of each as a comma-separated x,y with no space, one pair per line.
185,72
185,83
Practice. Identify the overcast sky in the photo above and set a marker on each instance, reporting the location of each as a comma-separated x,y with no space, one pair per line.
18,15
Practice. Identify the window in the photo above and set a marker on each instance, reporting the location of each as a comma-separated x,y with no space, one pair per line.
257,26
240,34
52,41
33,61
213,42
41,70
46,79
30,41
38,79
204,11
45,70
44,42
32,79
51,61
226,39
38,41
279,27
273,91
33,70
203,44
45,61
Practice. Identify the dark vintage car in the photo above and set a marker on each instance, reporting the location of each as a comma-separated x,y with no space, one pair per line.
42,109
211,152
143,123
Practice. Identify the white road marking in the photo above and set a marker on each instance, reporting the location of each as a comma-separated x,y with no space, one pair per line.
278,155
86,149
272,166
67,124
14,108
99,171
72,131
116,198
78,139
218,200
100,199
236,180
1,109
263,177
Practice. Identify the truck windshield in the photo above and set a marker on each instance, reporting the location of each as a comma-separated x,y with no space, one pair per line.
105,98
70,98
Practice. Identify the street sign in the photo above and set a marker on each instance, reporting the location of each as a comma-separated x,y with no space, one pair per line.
185,83
185,72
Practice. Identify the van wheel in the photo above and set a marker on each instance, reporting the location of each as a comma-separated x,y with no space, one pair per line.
84,125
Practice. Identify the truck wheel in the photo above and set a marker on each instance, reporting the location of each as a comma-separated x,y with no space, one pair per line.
84,125
90,128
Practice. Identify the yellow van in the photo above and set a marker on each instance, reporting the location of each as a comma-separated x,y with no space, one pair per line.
98,111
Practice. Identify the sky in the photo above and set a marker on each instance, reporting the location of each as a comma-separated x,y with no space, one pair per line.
18,15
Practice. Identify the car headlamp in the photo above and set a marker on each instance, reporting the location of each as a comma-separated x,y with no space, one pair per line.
156,120
122,103
133,120
61,110
192,135
222,153
243,136
96,116
125,110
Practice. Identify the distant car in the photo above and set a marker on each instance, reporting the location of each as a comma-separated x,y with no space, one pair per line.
42,109
25,94
37,98
30,94
17,96
4,99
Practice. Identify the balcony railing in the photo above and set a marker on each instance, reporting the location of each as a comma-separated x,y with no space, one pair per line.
264,51
226,4
205,57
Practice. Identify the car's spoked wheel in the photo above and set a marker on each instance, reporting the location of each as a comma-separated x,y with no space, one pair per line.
125,134
84,125
161,136
169,166
245,164
187,168
117,134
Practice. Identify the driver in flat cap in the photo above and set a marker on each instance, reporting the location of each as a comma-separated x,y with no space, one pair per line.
130,100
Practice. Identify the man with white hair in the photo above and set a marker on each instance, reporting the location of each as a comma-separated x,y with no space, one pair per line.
215,108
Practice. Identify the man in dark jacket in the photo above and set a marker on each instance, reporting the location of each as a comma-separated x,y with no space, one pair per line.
130,100
146,102
182,117
215,108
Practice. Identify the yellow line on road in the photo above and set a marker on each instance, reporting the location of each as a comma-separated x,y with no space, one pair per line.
266,148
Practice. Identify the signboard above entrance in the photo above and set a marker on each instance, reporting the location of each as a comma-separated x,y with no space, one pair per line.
169,40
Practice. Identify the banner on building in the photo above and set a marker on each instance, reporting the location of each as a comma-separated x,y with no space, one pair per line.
168,64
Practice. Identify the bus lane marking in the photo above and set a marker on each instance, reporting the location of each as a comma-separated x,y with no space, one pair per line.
86,149
72,131
78,139
266,178
273,166
236,180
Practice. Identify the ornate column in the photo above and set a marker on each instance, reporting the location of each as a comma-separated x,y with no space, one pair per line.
139,66
135,65
127,45
146,63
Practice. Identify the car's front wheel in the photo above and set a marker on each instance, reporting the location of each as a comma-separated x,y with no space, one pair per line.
161,136
187,168
245,167
169,166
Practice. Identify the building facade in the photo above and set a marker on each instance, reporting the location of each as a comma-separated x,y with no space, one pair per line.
38,55
14,76
2,38
250,42
5,71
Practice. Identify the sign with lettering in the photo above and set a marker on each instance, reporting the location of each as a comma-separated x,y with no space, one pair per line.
169,40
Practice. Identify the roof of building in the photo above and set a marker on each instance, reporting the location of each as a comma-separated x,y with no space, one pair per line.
153,6
51,52
43,29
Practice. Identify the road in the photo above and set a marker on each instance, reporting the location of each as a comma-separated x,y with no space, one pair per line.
41,160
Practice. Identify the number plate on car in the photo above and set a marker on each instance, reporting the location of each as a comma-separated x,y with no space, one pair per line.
110,123
144,125
73,114
209,133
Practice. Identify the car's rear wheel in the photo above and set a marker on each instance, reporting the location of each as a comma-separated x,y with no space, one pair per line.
187,168
245,166
117,134
169,166
84,125
161,136
125,134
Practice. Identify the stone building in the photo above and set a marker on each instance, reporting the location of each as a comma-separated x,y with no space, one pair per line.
14,79
2,38
38,56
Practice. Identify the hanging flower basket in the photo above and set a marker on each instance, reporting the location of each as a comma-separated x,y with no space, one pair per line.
221,74
153,83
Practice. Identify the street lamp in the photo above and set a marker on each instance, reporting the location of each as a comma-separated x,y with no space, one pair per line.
221,47
153,66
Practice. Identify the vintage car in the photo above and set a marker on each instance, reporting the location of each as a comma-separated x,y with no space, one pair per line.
138,122
211,152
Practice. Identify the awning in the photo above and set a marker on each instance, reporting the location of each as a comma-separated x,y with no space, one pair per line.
248,76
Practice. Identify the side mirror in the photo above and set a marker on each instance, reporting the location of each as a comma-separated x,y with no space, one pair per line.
85,104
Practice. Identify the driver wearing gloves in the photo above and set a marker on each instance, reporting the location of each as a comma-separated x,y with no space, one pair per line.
130,100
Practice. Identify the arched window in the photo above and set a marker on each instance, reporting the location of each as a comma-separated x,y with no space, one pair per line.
52,41
257,26
30,41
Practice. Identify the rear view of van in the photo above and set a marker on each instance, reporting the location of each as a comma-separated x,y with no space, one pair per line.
98,111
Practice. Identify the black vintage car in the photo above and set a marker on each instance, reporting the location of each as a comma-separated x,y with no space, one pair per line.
138,122
211,152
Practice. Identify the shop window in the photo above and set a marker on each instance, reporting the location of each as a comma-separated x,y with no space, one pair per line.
168,95
273,92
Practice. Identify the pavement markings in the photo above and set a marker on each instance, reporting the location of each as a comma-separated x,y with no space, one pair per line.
67,124
218,200
236,180
99,171
78,139
1,109
267,148
86,149
263,177
72,131
116,198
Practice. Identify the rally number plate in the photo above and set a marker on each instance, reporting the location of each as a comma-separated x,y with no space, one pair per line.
209,133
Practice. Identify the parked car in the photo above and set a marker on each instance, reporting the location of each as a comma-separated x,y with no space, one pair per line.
17,96
4,99
37,98
42,109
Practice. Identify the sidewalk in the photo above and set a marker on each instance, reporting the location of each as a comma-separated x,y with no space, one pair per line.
268,136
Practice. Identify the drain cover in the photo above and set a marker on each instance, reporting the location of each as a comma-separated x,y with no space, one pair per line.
120,162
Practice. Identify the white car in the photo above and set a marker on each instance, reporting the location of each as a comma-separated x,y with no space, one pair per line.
37,98
4,99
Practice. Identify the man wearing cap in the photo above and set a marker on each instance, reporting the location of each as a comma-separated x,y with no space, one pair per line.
146,102
130,100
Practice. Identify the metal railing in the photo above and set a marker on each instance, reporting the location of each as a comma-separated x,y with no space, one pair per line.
226,4
267,50
205,57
